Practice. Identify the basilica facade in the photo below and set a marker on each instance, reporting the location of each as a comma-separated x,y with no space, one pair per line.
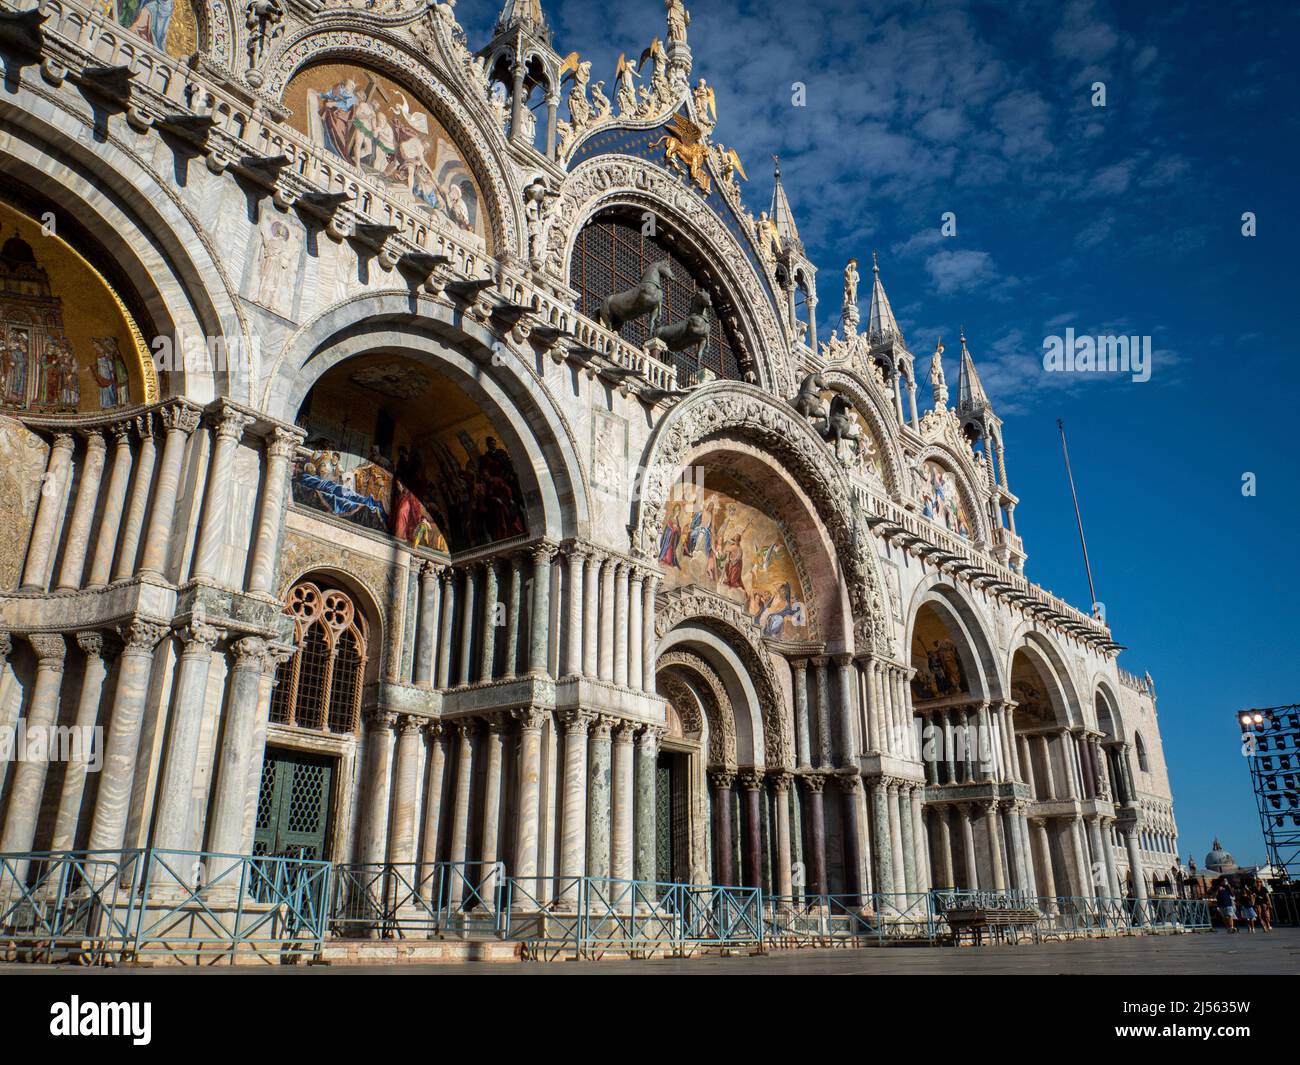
415,450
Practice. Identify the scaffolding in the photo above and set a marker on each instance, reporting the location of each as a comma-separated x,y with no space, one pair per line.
1270,742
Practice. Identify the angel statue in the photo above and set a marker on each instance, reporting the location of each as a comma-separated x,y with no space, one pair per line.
706,104
626,92
579,105
730,165
678,19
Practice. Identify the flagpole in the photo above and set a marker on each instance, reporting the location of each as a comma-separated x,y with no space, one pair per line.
1078,516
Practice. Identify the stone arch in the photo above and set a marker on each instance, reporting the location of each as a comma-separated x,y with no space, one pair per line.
150,235
1109,719
712,694
881,422
609,181
723,633
469,122
537,433
365,597
746,413
959,617
1051,668
964,473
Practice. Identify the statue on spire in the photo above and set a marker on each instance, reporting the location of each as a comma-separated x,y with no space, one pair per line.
937,380
851,313
678,19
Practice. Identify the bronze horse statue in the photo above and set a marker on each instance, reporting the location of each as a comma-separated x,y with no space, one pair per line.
647,298
839,425
693,331
809,401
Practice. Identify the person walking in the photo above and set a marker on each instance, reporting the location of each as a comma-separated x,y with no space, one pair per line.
1264,906
1247,902
1227,905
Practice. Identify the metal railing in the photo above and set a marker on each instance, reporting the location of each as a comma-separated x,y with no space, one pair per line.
194,907
409,901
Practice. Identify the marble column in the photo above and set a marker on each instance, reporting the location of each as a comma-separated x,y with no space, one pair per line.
949,744
620,624
821,679
871,682
280,447
49,508
121,747
1098,857
803,733
649,644
924,879
446,627
751,783
847,707
967,814
576,563
110,521
426,630
722,782
599,783
88,703
436,740
137,507
405,798
591,615
376,785
607,634
215,521
494,739
173,823
943,844
903,811
180,422
468,619
647,759
1027,766
780,782
881,823
855,880
814,784
1139,878
573,839
987,762
1087,886
635,637
514,609
488,656
1108,855
462,795
539,632
532,720
29,773
1038,826
622,801
996,861
1049,776
243,711
77,541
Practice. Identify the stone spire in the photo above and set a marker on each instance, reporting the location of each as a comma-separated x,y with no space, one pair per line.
881,323
527,13
971,397
781,214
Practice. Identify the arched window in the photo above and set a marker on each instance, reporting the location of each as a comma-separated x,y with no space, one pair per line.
320,686
1142,754
612,255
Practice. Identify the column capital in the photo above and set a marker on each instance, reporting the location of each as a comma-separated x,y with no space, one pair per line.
722,779
380,720
198,638
434,731
842,658
282,442
466,727
814,782
94,439
576,550
431,570
180,418
751,779
576,722
602,725
141,636
780,780
231,423
409,724
62,442
625,731
144,426
649,737
799,665
252,652
543,552
50,648
6,648
820,661
849,783
122,432
447,574
92,644
530,718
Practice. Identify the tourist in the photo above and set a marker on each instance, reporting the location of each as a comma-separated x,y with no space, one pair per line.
1227,905
1264,905
1248,908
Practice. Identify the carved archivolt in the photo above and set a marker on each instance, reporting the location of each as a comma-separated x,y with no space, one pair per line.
611,180
717,703
745,411
737,628
877,410
955,457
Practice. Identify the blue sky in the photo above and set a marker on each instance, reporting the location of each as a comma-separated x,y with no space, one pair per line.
1123,219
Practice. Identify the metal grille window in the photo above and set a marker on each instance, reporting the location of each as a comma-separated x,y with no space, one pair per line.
613,254
320,686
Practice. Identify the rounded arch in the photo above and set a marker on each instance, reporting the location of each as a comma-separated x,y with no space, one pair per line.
723,636
973,646
881,422
746,413
534,429
467,119
964,474
1106,707
149,234
1051,669
707,688
613,181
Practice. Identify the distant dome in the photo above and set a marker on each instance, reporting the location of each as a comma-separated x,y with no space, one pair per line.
1219,860
17,250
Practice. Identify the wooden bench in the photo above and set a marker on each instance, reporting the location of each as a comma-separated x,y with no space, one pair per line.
1001,925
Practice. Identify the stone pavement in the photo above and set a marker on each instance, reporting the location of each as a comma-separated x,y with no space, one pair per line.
1204,953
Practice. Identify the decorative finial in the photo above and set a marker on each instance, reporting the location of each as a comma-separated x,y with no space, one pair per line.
777,160
875,263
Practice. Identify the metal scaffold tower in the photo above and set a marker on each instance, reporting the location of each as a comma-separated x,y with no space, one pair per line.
1270,740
